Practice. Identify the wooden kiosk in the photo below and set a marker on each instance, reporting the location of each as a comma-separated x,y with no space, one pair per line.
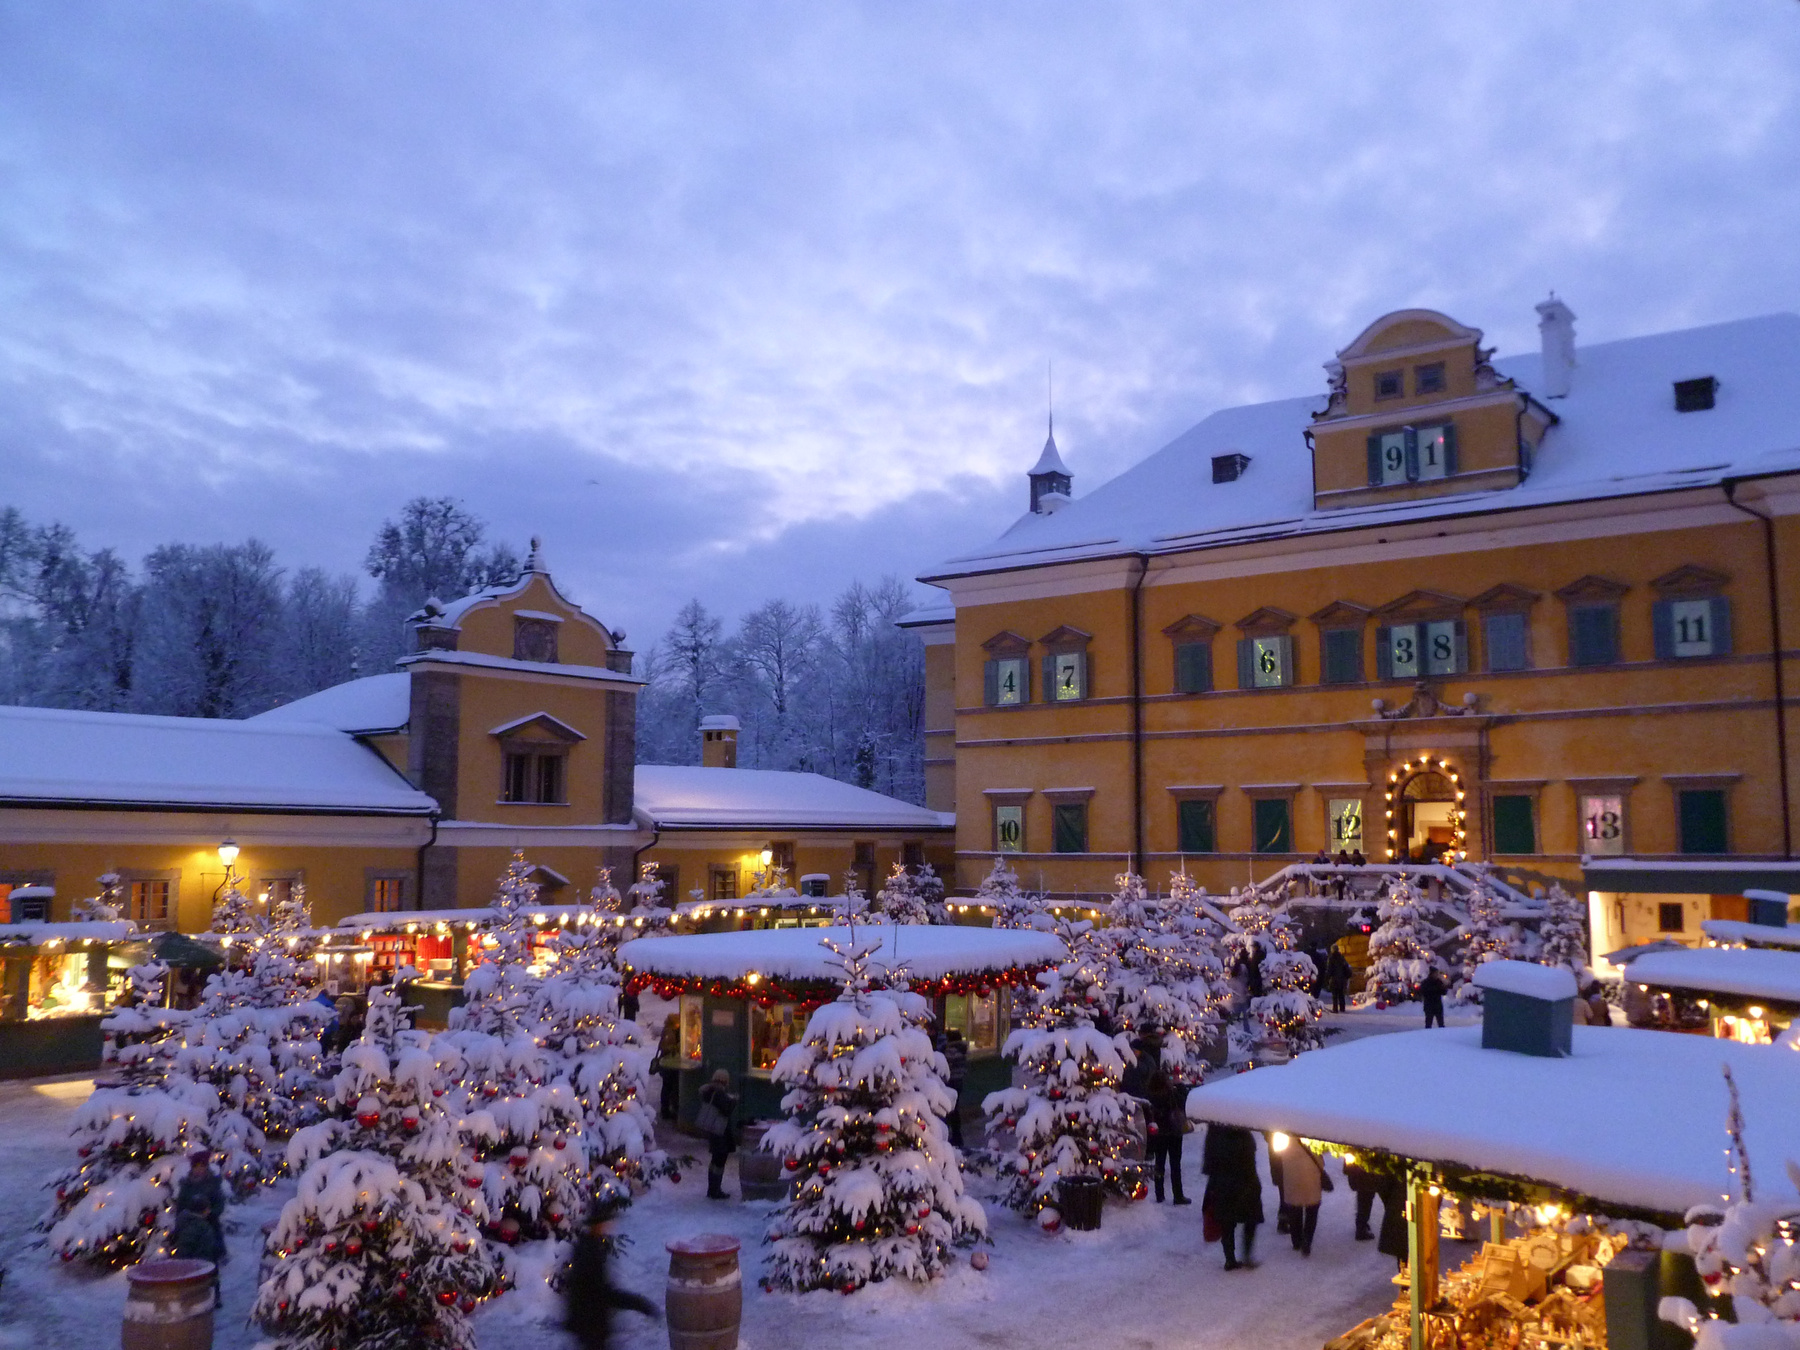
1627,1124
744,997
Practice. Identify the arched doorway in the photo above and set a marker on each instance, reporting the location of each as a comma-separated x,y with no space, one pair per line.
1425,813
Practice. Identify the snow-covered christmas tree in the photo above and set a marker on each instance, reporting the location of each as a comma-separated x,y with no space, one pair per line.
1749,1252
1155,990
899,900
1069,1118
1012,907
1487,936
1563,932
106,907
381,1245
1400,952
117,1202
1261,927
1287,1008
651,913
234,913
533,1145
878,1190
931,891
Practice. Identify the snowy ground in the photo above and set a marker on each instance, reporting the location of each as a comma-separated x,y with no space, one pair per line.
1145,1280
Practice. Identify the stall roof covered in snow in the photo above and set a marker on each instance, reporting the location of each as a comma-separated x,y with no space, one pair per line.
678,797
371,704
929,952
1735,930
1746,971
1635,1119
1621,396
37,934
1527,978
52,757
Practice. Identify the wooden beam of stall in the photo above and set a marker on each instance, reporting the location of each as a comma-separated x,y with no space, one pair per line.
1421,1250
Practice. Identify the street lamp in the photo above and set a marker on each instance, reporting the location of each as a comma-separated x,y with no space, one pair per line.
228,853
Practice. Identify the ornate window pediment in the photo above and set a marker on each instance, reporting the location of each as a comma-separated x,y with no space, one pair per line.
1341,614
1193,628
1592,590
1265,621
1690,579
1421,605
1063,638
1505,597
1006,643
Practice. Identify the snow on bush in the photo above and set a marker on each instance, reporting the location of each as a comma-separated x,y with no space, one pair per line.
878,1190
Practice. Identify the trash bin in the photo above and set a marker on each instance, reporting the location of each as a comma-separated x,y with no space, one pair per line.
169,1306
1079,1200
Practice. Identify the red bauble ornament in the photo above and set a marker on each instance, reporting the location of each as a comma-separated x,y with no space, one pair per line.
556,1216
368,1120
281,1306
559,1142
862,1225
882,1146
792,1165
1055,1094
437,1092
447,1297
911,1229
471,1181
824,1169
330,1245
149,1219
354,1247
849,1289
67,1255
468,1303
370,1225
675,1177
924,1211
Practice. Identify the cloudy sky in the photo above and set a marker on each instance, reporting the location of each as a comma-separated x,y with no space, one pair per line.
746,299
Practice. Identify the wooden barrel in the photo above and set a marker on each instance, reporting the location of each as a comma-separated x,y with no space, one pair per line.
706,1293
759,1172
169,1306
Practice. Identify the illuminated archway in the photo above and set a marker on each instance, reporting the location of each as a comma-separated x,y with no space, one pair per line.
1408,825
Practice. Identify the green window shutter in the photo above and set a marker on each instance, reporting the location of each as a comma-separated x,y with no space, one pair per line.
1462,647
1083,676
1384,654
1194,823
1341,656
1721,618
1246,664
1514,831
1449,448
1662,627
1193,667
1504,637
1702,817
1375,460
1290,666
990,683
1049,685
1273,826
1069,828
1593,635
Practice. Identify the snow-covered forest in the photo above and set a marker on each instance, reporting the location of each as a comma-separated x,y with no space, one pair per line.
223,630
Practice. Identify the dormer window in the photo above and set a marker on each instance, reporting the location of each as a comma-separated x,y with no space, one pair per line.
1429,379
534,638
1695,395
1412,454
1390,384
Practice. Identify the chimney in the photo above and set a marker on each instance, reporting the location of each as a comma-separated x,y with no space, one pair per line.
718,741
1527,1008
1556,329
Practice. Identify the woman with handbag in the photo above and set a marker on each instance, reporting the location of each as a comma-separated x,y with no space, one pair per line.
1166,1121
1233,1190
714,1120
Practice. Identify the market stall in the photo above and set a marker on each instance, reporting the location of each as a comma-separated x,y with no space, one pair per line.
744,997
1559,1152
1746,994
57,981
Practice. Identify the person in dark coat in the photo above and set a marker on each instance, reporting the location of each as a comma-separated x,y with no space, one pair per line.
718,1095
589,1295
1233,1190
1337,975
668,1065
956,1057
1365,1186
200,1216
1431,994
1165,1119
1393,1241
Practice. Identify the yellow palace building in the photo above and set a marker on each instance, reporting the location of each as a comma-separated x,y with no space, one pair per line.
512,725
1527,610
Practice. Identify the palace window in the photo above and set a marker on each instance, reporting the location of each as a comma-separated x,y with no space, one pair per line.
1700,814
1272,825
1515,824
1603,824
1429,379
150,901
1503,640
1412,454
1406,651
1593,635
1390,383
1065,665
1006,675
1692,618
534,639
1069,827
1341,656
1009,829
722,883
1344,824
386,891
1191,641
1196,825
535,776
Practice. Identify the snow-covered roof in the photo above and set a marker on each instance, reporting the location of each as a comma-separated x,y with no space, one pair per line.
1634,1118
1050,461
929,952
1735,930
677,796
1752,973
1618,435
438,656
37,934
1528,978
51,756
399,920
373,703
927,615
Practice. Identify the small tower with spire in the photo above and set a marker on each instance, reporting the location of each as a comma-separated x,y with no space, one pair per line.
1050,478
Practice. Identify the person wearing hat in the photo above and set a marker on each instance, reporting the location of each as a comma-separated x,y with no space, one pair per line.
200,1215
589,1295
718,1105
